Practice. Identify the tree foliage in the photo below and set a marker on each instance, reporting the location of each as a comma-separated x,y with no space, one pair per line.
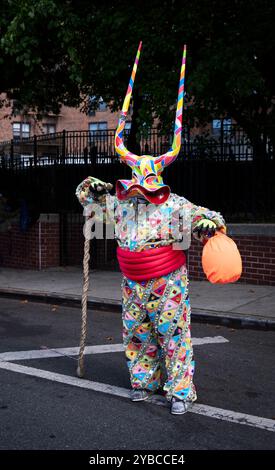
55,52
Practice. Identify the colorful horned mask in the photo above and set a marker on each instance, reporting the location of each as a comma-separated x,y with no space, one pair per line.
146,170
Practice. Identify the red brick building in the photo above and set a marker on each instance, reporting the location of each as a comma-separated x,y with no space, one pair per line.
70,119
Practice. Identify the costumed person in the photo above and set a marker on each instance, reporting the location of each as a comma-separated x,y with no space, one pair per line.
155,298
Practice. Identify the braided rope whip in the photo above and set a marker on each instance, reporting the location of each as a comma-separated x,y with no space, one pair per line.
86,258
80,368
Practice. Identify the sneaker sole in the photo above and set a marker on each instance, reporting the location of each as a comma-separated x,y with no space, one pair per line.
140,399
180,413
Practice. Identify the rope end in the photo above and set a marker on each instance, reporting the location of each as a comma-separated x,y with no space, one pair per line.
80,372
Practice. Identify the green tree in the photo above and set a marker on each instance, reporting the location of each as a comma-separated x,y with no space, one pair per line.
55,52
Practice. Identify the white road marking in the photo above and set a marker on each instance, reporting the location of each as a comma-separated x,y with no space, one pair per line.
205,410
97,349
57,352
209,340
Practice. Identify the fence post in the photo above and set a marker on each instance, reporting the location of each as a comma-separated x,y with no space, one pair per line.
222,139
63,147
12,154
35,150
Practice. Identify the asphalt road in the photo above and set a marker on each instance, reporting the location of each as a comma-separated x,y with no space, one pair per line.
39,413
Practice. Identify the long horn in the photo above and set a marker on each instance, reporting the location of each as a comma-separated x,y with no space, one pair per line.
172,154
125,155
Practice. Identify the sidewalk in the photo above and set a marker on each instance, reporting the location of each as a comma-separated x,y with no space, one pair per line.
234,304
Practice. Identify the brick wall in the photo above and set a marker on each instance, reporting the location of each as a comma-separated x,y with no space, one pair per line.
19,249
39,248
49,241
258,258
70,119
73,119
256,243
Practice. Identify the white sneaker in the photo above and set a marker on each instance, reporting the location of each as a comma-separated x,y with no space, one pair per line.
138,394
179,407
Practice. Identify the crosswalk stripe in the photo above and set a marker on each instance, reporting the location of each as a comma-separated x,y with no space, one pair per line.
205,410
97,349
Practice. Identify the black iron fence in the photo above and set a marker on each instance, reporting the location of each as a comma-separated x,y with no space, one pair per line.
220,172
93,147
241,190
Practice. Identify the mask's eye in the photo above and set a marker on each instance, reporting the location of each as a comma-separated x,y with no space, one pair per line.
150,175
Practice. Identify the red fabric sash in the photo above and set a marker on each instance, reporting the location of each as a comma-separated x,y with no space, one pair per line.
151,263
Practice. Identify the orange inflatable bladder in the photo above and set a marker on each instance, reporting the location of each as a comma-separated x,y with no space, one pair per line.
221,260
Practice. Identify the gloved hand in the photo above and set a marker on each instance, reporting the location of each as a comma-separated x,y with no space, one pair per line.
205,228
92,190
98,187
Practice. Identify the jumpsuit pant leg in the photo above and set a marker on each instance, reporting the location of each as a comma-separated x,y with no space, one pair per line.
174,338
140,340
156,331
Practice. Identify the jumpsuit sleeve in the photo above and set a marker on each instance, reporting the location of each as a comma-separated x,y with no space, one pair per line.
199,213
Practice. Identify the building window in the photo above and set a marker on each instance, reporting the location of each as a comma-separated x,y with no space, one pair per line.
127,127
98,130
221,125
102,106
21,130
95,104
49,128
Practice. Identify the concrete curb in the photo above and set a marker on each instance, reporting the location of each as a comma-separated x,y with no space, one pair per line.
233,320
